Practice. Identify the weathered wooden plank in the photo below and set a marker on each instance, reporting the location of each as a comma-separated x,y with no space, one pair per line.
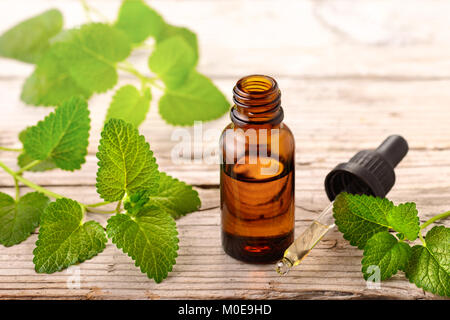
331,270
321,114
329,126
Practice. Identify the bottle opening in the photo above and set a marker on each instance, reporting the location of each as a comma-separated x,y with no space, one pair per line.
257,99
256,84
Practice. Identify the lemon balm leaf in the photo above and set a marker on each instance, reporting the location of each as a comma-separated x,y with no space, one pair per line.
387,253
197,99
138,21
190,37
51,83
24,159
126,163
429,265
90,54
130,105
62,137
64,239
149,238
359,217
19,219
30,39
172,60
404,219
174,196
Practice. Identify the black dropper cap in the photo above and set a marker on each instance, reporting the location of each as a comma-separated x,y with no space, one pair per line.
369,171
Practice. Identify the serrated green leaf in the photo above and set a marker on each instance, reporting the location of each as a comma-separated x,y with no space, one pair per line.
139,21
198,99
429,266
172,60
62,137
387,253
126,162
19,219
404,218
90,54
190,37
29,40
359,217
149,238
51,83
174,196
64,239
130,105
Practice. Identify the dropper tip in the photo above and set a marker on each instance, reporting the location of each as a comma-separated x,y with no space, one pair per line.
283,266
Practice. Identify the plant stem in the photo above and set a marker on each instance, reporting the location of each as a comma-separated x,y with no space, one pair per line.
87,10
144,45
29,183
28,166
93,210
99,204
18,177
10,149
421,238
435,218
119,205
16,184
128,67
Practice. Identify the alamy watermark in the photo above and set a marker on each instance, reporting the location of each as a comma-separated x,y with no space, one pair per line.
374,280
197,145
74,278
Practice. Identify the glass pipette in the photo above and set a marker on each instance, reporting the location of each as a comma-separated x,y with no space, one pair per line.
303,245
369,172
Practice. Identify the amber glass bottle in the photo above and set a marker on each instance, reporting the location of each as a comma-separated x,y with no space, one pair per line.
257,174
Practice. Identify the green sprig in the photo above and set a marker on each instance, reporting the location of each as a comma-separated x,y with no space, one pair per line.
365,222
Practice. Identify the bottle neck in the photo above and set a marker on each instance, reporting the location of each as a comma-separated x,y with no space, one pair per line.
257,100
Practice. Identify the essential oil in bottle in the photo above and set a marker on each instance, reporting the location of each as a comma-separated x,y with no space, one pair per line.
257,174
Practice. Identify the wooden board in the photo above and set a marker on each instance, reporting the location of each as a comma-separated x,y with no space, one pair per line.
350,74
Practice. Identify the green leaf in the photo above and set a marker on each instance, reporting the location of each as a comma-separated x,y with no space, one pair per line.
172,60
64,239
404,218
174,196
190,37
429,265
149,238
19,220
24,159
51,83
197,99
29,40
126,162
62,137
130,105
359,217
139,21
90,54
386,252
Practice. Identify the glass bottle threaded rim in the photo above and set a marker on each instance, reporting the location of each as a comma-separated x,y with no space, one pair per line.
257,99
